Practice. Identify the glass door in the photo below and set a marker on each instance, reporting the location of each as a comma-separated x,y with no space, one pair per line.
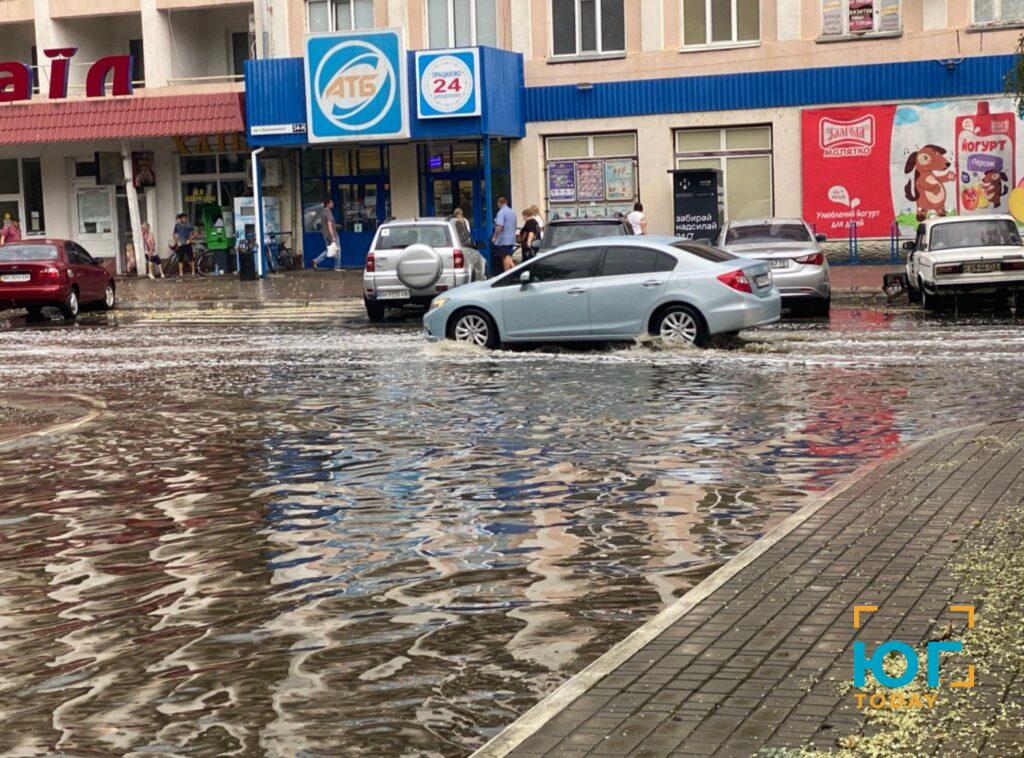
358,209
446,194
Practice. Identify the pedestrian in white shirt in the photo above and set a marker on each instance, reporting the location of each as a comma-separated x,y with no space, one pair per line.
637,219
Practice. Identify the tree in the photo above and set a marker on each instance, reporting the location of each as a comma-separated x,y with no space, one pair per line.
1014,79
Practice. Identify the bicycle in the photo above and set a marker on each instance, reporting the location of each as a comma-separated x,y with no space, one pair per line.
279,254
203,257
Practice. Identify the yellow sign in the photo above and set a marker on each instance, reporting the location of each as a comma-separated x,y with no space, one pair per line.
209,144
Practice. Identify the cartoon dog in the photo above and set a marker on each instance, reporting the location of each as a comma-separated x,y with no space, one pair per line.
927,188
995,184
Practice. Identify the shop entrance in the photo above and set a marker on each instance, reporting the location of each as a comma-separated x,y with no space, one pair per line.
465,191
358,211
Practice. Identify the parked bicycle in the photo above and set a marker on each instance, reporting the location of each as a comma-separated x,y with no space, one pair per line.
203,257
279,254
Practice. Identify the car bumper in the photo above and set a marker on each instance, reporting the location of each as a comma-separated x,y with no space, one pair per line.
744,312
978,286
810,282
20,296
435,322
375,286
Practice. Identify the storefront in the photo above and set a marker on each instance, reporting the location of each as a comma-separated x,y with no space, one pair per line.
408,134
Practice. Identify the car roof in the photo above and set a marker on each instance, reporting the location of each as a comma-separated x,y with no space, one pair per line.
417,220
603,220
938,220
762,221
39,241
646,240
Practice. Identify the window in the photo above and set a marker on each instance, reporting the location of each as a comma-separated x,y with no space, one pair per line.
94,211
212,179
339,15
587,27
705,252
990,233
460,23
621,261
591,175
400,237
15,253
777,232
998,11
572,264
743,155
720,22
138,62
21,193
843,18
241,51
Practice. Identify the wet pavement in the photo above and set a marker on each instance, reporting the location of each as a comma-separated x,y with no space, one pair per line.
290,530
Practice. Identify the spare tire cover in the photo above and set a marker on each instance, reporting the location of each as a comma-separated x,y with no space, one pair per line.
419,266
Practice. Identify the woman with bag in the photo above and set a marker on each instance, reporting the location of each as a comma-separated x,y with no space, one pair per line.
528,234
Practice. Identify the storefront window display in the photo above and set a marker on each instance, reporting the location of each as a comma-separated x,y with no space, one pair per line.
591,175
21,193
743,155
217,178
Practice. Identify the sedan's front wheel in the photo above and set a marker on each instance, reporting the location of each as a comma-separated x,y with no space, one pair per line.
474,327
109,297
681,323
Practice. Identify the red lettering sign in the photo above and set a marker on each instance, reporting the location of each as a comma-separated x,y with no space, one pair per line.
15,82
96,79
16,77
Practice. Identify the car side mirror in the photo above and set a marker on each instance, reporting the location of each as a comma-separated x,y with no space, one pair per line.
820,238
524,277
908,245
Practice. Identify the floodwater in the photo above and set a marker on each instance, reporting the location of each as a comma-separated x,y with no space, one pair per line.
290,532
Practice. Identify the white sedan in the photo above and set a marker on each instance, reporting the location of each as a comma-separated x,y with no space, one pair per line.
980,255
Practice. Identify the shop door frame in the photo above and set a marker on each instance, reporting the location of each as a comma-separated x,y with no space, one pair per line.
476,181
355,245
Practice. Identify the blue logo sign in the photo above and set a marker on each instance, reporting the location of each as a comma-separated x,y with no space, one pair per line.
355,86
448,83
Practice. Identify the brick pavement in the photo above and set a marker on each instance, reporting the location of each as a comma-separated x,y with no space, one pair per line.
757,662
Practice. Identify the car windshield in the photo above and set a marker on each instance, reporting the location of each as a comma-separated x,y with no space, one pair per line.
399,237
769,232
708,253
983,232
562,234
10,253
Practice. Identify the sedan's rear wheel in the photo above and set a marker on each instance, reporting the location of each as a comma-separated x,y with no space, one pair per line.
929,301
35,313
69,309
681,323
474,327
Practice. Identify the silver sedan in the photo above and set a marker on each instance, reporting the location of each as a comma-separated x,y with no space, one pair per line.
792,249
610,289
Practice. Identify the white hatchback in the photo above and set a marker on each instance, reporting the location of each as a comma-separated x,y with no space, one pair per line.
412,260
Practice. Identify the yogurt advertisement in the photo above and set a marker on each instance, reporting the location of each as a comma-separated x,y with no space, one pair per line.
951,157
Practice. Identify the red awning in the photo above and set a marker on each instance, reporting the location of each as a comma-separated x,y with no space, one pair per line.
133,117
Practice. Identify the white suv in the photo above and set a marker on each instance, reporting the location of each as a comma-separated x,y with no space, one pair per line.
412,260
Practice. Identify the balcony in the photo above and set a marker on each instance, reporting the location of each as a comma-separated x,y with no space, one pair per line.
14,11
209,44
63,9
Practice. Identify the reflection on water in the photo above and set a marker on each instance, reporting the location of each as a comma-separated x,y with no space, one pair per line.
331,538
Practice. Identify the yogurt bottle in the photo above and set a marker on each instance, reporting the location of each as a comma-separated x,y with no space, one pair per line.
985,150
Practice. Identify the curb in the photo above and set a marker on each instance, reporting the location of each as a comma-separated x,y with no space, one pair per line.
529,723
63,427
191,305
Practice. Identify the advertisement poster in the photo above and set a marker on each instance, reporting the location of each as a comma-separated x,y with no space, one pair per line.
561,181
862,16
873,165
889,16
619,179
831,18
696,203
447,83
143,174
589,180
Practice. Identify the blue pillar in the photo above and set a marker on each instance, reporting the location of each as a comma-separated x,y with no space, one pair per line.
488,227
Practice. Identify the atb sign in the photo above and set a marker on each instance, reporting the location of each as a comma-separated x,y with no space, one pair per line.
448,83
355,86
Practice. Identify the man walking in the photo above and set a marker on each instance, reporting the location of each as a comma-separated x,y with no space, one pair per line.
503,239
330,235
184,233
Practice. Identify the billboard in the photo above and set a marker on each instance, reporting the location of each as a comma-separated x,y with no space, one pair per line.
448,83
355,86
872,165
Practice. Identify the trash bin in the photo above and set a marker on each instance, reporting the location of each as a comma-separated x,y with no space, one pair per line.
220,261
247,266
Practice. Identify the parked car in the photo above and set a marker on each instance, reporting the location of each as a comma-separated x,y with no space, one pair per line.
41,273
799,265
978,255
562,231
608,290
412,260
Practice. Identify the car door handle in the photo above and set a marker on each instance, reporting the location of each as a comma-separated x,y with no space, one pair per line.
653,283
576,291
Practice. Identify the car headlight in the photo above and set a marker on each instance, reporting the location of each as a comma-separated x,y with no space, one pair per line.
437,302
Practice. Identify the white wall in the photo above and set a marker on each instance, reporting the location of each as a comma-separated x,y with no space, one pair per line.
201,40
95,38
405,201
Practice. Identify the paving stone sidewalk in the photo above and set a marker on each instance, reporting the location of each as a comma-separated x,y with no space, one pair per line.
757,666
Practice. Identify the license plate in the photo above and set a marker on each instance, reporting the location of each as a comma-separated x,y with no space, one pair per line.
778,263
762,280
15,278
392,294
981,268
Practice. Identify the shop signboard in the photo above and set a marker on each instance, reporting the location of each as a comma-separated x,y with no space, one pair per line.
589,180
448,83
16,77
831,18
355,86
696,203
876,164
619,179
561,181
862,16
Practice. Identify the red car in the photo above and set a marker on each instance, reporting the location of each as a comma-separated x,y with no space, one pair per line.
41,273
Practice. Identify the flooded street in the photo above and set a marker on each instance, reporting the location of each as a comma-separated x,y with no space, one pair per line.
288,531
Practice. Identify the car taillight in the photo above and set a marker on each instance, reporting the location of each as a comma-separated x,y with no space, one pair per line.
814,259
949,268
48,274
458,259
371,264
1013,265
737,280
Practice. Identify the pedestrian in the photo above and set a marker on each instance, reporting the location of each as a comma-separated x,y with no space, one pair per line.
461,219
504,238
11,233
637,219
329,231
184,233
529,234
538,218
152,256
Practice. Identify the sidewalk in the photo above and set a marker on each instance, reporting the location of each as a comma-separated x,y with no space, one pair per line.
861,279
758,659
